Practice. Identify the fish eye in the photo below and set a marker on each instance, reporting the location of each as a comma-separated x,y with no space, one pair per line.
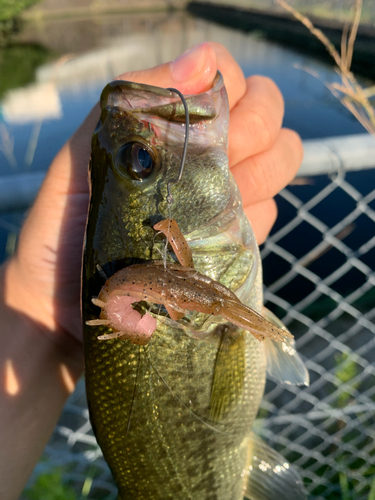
135,159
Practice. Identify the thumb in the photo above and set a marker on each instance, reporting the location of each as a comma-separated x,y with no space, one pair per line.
191,73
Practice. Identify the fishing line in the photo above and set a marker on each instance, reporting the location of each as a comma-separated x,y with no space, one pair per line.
178,178
163,253
183,158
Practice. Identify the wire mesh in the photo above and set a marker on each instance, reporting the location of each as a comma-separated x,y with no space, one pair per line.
319,278
326,298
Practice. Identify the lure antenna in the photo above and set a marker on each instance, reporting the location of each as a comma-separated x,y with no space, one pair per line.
178,178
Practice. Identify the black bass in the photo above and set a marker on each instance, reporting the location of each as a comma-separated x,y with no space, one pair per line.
174,384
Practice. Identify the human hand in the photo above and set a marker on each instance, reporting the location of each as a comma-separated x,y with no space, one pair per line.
43,278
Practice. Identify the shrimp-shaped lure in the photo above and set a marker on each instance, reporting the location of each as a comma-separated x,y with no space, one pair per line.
180,289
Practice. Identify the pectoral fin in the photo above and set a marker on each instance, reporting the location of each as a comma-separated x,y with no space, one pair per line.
229,374
283,361
270,475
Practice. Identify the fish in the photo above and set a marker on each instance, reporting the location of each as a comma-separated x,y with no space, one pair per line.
173,387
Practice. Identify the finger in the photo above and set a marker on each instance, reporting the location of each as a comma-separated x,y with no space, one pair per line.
256,119
262,217
232,73
262,176
191,73
194,72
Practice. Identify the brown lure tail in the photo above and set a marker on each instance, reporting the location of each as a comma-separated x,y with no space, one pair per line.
245,317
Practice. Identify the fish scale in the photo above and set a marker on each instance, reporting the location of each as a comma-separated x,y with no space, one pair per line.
158,394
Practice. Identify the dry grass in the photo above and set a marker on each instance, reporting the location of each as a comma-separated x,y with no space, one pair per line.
352,95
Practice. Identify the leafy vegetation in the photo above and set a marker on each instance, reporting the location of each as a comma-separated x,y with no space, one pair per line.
10,22
18,63
9,9
347,493
50,487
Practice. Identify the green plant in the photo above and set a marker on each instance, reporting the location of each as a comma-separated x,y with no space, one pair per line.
50,486
346,370
372,491
12,8
344,485
18,64
345,490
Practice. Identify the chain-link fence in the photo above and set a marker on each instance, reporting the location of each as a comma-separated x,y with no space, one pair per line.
319,278
325,295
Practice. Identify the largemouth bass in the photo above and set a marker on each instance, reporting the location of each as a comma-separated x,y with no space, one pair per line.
173,414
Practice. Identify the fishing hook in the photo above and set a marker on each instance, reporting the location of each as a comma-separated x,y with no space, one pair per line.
178,178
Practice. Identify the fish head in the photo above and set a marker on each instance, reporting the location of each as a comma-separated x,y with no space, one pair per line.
137,149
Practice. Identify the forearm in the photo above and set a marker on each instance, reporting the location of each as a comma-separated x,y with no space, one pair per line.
38,374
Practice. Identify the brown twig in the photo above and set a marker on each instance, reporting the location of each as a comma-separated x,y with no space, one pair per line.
350,93
353,34
344,44
315,31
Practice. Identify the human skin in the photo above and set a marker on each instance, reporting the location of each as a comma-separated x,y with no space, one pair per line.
41,333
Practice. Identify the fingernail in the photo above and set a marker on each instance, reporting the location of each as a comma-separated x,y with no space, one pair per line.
189,63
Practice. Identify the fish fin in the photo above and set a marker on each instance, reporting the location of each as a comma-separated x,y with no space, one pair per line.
229,373
283,361
270,475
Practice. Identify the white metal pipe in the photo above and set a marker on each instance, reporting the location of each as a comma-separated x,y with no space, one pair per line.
322,156
349,152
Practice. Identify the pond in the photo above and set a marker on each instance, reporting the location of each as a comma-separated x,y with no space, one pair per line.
84,54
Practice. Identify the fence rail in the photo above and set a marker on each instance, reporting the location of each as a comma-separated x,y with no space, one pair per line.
322,156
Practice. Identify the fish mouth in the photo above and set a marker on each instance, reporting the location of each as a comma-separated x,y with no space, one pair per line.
163,103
